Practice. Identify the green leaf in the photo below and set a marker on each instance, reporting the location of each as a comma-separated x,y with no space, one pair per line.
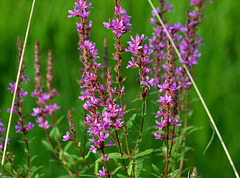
61,154
35,169
139,167
47,145
77,157
115,170
68,145
59,120
30,140
129,170
130,121
52,133
127,111
68,156
144,153
155,168
96,167
194,129
7,166
86,175
114,155
173,174
35,156
65,176
88,154
190,113
121,176
156,175
137,99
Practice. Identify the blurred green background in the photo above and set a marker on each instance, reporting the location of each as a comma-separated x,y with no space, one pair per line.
217,74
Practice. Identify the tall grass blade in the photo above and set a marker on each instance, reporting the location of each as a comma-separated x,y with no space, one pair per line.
15,90
198,92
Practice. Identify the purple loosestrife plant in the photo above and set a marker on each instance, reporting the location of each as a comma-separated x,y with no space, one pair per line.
168,106
20,95
107,124
141,61
189,45
175,77
18,110
167,84
44,108
93,93
119,25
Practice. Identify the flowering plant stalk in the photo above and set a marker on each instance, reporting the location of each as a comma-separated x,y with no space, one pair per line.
107,117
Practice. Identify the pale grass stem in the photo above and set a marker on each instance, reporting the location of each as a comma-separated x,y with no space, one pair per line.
198,92
16,85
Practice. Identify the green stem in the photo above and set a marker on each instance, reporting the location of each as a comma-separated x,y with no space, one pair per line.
167,144
184,134
82,155
120,150
56,155
28,155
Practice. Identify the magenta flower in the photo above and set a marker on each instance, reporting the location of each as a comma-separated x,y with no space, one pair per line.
121,24
25,78
1,127
12,87
198,2
51,108
135,44
102,173
148,82
36,111
22,94
42,123
66,137
14,109
80,9
25,128
132,63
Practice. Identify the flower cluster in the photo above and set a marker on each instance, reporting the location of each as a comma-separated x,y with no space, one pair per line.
121,24
44,109
141,61
168,102
81,10
20,95
158,43
102,173
103,114
188,44
2,141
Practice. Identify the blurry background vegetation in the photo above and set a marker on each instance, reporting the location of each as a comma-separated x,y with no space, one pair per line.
217,74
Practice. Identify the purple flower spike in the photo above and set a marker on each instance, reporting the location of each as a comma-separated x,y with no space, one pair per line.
121,24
